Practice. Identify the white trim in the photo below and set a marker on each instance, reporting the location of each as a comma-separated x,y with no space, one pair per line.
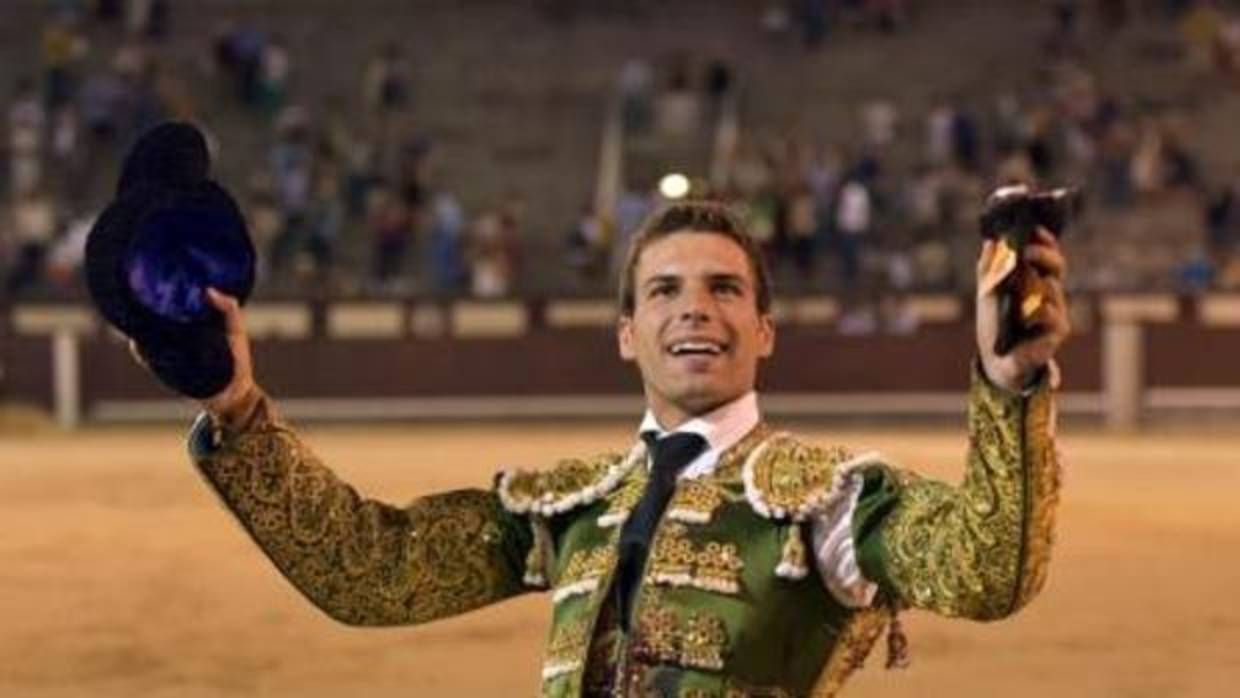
553,669
549,505
788,570
583,586
612,518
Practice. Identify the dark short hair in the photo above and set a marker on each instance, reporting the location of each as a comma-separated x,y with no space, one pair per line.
694,216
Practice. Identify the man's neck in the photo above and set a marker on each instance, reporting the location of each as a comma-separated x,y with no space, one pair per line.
722,427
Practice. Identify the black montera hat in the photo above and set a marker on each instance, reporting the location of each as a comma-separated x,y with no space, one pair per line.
169,235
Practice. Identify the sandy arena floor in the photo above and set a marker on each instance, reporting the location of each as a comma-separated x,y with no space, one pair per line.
120,575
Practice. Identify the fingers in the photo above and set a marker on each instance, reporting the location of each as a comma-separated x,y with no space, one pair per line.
1053,316
988,252
229,308
137,356
1044,254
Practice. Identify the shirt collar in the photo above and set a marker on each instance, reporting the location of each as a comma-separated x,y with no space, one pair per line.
722,427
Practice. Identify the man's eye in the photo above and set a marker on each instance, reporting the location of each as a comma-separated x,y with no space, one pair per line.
728,289
662,291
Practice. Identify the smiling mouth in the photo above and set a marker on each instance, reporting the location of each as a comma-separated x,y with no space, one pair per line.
697,348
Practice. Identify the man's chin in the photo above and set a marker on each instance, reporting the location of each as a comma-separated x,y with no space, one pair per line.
699,400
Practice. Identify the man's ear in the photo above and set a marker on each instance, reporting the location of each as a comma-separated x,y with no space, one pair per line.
624,338
766,336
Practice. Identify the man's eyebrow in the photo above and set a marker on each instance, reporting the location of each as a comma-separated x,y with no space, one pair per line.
661,279
727,276
715,277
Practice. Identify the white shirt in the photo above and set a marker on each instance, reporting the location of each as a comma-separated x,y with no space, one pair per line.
834,552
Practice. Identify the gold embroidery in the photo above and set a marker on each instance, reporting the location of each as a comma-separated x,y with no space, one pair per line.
853,646
659,638
704,642
981,551
565,649
584,570
730,461
1042,493
361,561
788,479
570,484
538,561
675,561
694,502
792,558
623,501
699,641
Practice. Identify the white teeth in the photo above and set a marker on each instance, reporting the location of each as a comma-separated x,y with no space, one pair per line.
697,348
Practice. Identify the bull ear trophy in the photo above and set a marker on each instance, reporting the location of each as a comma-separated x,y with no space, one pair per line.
169,234
1010,218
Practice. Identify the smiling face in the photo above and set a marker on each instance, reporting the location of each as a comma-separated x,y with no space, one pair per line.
695,330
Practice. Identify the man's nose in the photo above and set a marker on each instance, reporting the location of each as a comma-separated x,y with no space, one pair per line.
697,305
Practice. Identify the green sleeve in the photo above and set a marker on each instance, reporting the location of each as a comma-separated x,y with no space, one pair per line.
981,549
361,561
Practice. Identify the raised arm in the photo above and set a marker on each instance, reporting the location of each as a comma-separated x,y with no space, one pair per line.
361,561
979,550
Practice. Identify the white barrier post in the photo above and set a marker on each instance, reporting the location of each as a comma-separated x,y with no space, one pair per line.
1123,368
66,377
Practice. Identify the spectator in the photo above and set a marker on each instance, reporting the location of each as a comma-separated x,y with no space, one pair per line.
1115,183
879,118
635,86
1199,30
631,209
447,257
34,227
888,15
512,215
263,218
324,221
292,169
276,65
718,82
1223,217
939,137
63,48
814,18
491,269
853,220
385,83
588,245
109,11
391,231
102,104
679,110
26,122
801,226
67,157
966,148
65,258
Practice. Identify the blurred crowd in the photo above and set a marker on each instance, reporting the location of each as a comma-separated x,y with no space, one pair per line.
891,204
348,195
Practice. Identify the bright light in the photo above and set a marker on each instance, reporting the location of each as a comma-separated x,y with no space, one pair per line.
674,186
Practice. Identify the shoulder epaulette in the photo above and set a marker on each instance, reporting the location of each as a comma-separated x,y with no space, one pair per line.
787,479
571,483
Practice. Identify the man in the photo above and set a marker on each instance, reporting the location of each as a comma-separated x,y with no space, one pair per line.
716,557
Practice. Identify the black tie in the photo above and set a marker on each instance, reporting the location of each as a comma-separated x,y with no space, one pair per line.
669,455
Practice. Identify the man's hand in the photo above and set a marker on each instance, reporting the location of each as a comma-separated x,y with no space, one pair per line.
1014,370
238,397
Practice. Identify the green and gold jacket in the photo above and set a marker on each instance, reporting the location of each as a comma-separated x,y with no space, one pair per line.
730,603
